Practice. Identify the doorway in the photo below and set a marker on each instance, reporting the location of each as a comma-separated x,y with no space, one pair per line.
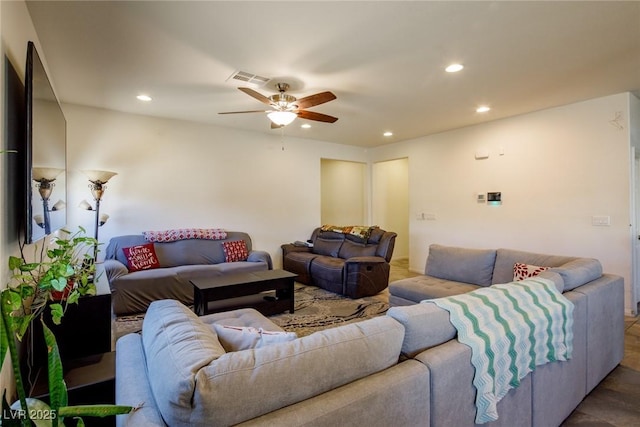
635,231
390,201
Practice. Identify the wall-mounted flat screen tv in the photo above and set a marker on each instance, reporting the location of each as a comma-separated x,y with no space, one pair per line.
46,148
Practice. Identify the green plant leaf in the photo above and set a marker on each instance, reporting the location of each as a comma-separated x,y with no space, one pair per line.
94,410
27,267
7,325
59,283
22,324
73,297
14,263
13,301
4,343
57,387
56,313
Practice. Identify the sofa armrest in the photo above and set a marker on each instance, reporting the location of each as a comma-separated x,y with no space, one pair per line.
365,276
261,256
132,385
114,269
290,247
370,260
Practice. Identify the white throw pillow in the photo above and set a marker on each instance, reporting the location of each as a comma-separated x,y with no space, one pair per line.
236,338
523,271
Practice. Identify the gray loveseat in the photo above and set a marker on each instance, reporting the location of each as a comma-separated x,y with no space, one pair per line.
343,263
180,261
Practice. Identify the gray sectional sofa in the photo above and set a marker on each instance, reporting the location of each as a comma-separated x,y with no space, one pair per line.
180,261
181,375
453,270
406,368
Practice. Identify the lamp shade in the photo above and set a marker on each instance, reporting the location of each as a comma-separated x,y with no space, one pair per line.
59,206
45,174
282,118
99,177
85,205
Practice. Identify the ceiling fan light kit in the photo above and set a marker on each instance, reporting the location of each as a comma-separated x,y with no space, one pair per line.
282,118
285,107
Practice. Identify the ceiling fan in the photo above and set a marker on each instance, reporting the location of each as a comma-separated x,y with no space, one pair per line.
285,107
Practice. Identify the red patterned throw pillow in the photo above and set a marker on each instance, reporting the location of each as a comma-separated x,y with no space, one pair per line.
524,271
235,250
141,257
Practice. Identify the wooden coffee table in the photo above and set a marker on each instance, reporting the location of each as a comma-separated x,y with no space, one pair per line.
243,290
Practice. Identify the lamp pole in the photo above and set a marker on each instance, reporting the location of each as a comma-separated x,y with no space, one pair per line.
97,190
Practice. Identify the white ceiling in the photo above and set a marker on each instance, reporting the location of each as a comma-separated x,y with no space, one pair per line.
384,60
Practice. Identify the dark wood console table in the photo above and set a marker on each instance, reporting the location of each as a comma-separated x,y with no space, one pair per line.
84,342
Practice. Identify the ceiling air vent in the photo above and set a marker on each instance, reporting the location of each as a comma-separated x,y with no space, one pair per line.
250,78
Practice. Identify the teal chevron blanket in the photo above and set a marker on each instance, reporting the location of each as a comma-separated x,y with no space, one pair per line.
511,329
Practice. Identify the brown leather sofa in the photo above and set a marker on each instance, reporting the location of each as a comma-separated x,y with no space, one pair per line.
343,263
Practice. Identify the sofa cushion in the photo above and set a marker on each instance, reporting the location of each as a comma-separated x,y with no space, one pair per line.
238,338
177,345
327,268
506,259
326,246
426,287
351,249
473,266
425,326
246,384
235,251
578,272
241,317
141,257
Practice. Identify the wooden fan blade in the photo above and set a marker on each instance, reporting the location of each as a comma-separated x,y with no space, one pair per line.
317,99
312,115
241,112
257,95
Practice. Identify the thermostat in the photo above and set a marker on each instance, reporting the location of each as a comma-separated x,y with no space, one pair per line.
494,198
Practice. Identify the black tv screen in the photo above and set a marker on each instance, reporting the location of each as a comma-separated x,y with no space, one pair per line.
46,148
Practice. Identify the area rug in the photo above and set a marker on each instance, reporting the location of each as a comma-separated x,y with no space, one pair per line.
315,309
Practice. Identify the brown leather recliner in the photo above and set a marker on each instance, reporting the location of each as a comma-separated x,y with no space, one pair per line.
343,263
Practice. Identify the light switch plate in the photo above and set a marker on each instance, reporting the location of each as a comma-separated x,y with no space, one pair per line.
601,220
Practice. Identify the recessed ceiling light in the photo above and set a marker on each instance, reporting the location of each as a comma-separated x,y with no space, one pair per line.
387,133
145,98
482,109
305,126
454,68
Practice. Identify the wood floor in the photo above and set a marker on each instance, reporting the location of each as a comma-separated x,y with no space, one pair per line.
616,400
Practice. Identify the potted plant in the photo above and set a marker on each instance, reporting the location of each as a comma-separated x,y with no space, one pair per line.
62,274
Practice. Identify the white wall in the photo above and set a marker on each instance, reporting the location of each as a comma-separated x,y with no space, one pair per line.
175,174
343,193
560,167
634,133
